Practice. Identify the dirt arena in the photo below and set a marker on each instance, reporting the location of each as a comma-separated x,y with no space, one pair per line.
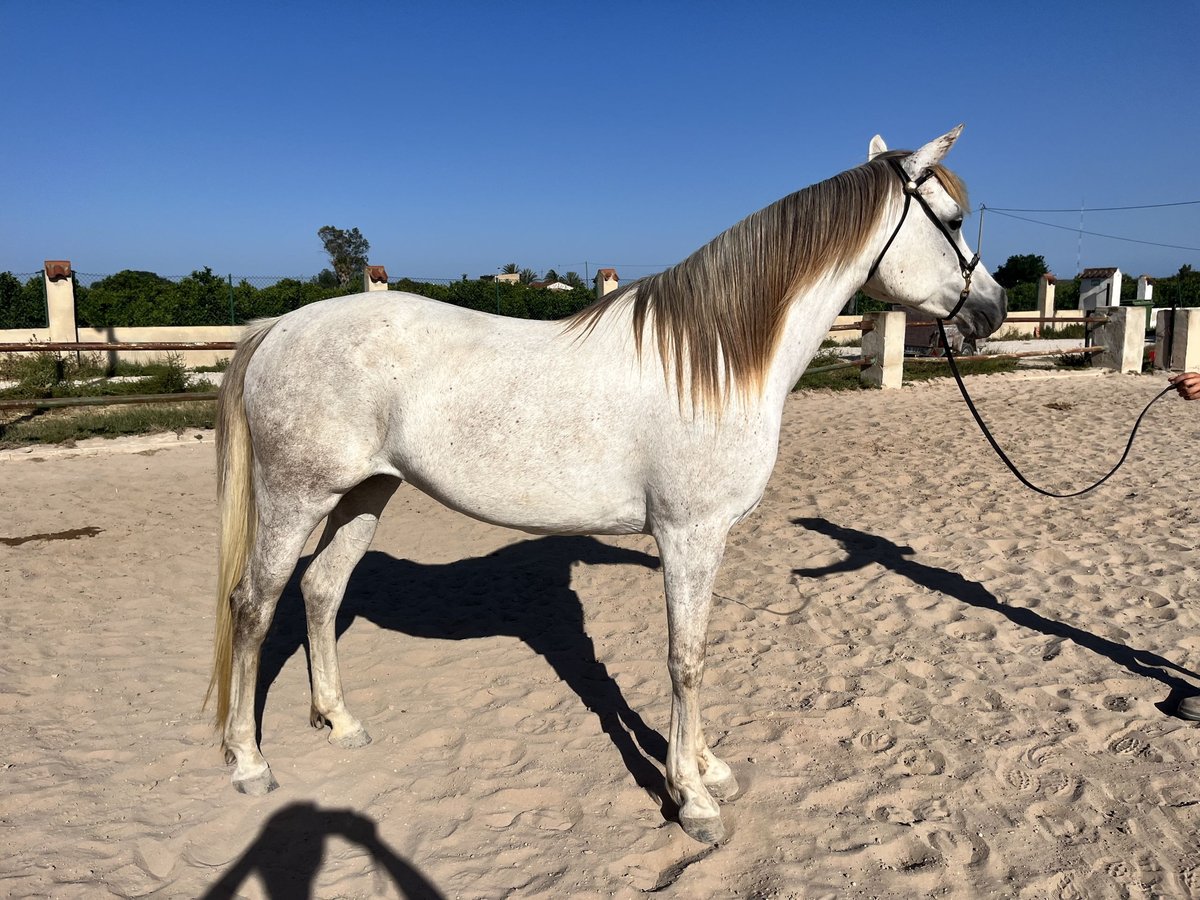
930,681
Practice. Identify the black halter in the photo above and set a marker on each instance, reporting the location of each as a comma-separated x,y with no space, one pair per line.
912,189
967,266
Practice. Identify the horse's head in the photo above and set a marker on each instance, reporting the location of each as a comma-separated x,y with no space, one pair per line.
923,261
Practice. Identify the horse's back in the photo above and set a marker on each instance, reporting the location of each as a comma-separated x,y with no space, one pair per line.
511,421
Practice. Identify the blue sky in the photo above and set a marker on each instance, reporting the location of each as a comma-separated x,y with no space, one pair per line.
462,136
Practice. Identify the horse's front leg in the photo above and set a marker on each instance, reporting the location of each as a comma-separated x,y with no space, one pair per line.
690,558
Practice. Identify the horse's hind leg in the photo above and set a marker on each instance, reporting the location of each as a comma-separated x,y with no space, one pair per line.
347,536
279,540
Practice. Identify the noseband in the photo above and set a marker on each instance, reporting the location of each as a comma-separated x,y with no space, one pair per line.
912,189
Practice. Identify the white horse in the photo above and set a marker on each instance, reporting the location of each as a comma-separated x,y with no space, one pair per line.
656,410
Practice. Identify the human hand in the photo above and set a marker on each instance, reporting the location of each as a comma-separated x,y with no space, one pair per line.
1188,384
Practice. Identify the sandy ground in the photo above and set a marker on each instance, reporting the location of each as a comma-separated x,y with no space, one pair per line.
929,680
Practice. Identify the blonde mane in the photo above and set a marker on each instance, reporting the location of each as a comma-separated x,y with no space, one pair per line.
718,315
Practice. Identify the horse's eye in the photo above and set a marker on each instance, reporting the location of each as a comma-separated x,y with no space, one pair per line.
955,224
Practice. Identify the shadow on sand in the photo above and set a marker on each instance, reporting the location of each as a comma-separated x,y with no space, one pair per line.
522,590
288,852
862,549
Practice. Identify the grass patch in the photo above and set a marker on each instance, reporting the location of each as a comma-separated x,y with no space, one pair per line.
847,379
927,371
838,380
1048,333
1073,360
43,376
33,371
65,426
40,376
1066,331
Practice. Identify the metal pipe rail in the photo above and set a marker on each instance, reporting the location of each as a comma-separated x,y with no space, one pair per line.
1026,354
850,363
1089,320
52,346
106,400
1095,320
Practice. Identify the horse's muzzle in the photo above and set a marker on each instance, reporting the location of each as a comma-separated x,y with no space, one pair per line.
980,320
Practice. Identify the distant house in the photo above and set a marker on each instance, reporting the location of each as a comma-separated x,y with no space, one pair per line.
507,277
1099,287
550,285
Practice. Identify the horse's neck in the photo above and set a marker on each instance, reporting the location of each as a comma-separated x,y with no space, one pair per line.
810,315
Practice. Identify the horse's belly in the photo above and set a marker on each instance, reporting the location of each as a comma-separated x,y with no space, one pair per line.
537,505
528,456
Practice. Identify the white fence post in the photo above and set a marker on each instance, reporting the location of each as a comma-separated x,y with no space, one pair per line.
1123,338
1045,301
884,343
1183,354
375,278
60,300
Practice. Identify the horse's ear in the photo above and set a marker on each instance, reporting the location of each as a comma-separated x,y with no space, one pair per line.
877,147
931,154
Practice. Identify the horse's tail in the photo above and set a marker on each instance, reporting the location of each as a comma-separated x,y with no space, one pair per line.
238,514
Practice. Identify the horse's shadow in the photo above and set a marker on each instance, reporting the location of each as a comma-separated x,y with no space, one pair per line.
287,855
522,590
863,548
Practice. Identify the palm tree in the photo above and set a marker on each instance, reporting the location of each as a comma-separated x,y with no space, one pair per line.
510,269
528,275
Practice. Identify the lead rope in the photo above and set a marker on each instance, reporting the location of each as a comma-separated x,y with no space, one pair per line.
1004,457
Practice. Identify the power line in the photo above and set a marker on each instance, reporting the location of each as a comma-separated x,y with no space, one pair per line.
1091,208
1113,237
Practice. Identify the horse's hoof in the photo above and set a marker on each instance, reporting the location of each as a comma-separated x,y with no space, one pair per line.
724,790
1189,708
707,831
352,741
257,785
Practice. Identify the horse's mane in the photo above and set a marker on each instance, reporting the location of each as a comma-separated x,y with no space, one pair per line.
718,315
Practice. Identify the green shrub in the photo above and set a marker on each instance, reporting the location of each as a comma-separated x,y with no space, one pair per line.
172,377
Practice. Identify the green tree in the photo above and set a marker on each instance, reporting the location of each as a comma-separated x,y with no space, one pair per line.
1180,289
1022,297
573,279
128,298
1021,269
552,276
21,305
1066,294
527,276
201,299
510,269
347,251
